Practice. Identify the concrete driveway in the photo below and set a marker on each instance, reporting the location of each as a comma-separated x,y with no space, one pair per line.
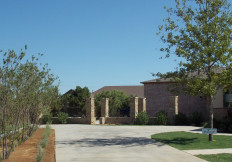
97,143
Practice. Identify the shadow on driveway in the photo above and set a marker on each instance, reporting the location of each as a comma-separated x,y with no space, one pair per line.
118,141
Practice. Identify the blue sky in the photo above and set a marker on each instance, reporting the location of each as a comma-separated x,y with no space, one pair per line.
91,43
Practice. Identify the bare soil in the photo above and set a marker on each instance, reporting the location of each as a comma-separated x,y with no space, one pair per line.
27,151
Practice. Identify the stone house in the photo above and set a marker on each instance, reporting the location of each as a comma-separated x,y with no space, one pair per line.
157,97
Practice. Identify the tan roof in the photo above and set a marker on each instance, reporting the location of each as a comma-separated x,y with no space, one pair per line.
129,90
168,80
157,81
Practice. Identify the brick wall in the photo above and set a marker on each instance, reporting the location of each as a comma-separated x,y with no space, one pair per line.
157,97
119,120
71,120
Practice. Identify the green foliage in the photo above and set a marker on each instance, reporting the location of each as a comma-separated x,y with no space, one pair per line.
199,33
161,118
181,119
225,124
118,100
45,137
142,118
47,119
56,101
43,143
76,100
29,90
40,154
197,118
62,117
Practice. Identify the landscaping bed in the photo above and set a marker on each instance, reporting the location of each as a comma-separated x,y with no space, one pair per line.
193,141
27,151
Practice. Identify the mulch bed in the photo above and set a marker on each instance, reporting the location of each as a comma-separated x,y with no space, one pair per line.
27,151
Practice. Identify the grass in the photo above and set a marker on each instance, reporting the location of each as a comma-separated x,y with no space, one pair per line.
193,141
217,157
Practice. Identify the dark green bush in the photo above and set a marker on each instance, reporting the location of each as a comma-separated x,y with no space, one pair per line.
142,118
47,119
62,117
196,118
181,119
161,118
224,125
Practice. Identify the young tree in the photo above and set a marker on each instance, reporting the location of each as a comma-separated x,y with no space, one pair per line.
27,89
199,32
118,100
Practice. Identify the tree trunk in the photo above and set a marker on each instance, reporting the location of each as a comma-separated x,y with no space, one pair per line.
211,117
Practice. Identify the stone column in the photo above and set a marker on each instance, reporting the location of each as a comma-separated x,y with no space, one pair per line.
90,111
104,110
142,105
105,107
134,107
173,108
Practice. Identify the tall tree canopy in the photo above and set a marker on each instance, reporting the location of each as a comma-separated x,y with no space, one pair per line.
199,32
118,101
75,101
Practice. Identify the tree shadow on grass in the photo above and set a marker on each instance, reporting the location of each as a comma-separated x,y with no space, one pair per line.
118,141
178,140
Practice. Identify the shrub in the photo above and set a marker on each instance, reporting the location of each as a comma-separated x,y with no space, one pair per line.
47,118
45,138
40,154
62,117
197,118
161,118
142,118
181,119
225,125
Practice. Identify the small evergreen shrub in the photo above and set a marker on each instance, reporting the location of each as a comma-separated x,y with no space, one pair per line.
47,118
224,125
40,154
45,138
181,119
62,117
197,118
142,118
161,118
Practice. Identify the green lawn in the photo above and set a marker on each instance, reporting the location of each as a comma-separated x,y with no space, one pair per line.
217,157
191,141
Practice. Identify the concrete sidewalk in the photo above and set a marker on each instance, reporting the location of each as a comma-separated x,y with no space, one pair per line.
116,143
